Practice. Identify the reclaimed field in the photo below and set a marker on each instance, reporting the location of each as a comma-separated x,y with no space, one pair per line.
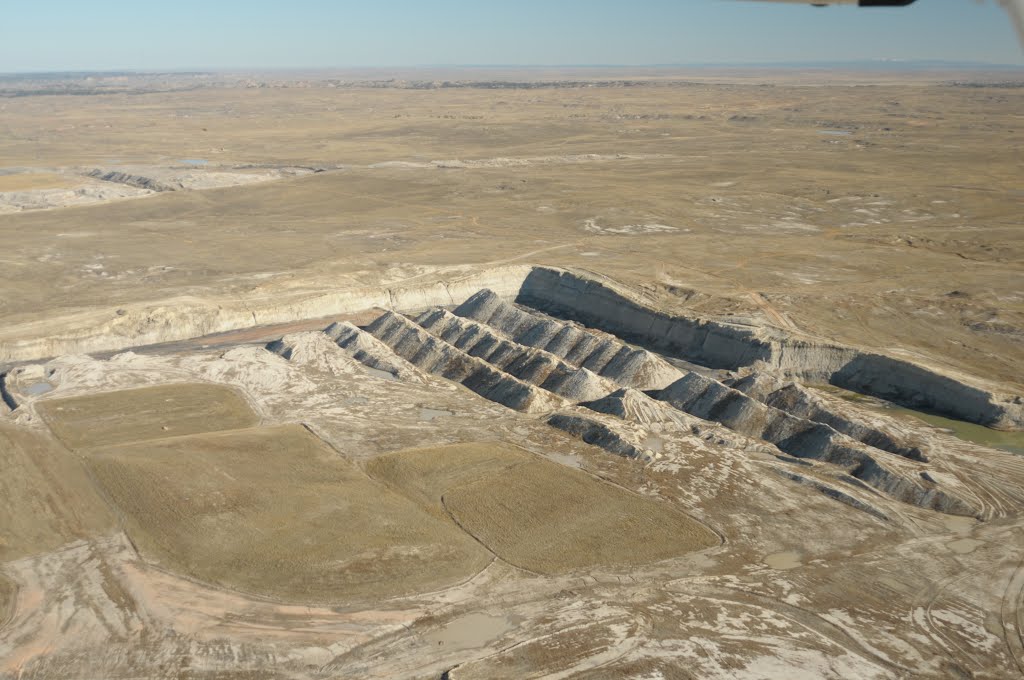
48,498
539,515
146,413
274,512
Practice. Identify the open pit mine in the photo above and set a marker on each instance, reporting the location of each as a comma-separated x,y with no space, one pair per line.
518,472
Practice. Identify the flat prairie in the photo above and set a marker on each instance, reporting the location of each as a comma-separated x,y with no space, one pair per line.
878,211
36,180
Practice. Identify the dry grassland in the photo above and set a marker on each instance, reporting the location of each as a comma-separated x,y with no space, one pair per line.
552,519
540,515
146,413
424,475
902,233
47,498
36,180
8,596
275,512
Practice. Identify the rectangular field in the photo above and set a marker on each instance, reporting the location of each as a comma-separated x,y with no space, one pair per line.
146,413
275,512
540,515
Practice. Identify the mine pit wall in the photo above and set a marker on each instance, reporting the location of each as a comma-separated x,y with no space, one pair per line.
187,318
717,345
592,303
7,402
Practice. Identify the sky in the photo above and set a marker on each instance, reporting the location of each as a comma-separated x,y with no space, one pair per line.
85,35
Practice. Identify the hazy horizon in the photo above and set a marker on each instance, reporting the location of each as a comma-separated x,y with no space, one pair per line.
63,36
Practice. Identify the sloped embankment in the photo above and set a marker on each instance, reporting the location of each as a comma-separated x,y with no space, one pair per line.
147,323
637,407
433,355
802,438
593,431
634,405
606,356
569,295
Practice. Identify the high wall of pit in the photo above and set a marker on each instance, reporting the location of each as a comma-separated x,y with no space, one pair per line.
113,329
603,305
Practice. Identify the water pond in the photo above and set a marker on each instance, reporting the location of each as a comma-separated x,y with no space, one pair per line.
978,434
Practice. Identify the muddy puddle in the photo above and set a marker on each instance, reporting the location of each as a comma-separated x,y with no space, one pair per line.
38,388
964,546
377,373
960,525
432,414
979,434
565,459
469,631
654,443
783,560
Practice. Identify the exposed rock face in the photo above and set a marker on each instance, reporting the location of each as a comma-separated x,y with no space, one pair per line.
603,355
719,345
834,494
593,431
657,416
903,382
535,366
597,305
799,401
802,438
137,181
189,317
433,355
7,402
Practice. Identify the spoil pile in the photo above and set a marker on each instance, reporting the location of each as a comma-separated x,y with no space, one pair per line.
602,354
